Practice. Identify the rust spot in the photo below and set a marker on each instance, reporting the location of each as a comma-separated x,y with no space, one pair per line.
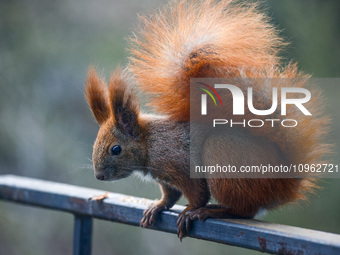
240,234
262,242
285,251
77,201
288,251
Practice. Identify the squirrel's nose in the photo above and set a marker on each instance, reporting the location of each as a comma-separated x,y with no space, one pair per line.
100,177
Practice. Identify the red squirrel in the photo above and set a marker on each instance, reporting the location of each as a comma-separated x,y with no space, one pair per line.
190,39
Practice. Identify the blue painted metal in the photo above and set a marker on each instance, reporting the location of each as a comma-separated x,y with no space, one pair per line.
82,235
252,234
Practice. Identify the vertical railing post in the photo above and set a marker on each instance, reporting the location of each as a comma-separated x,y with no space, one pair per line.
82,235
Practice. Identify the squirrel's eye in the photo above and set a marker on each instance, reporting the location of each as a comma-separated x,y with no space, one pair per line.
116,150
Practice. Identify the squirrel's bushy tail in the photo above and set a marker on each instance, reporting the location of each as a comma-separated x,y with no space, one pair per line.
190,38
215,39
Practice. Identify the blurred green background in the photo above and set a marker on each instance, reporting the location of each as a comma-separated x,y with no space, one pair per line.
47,131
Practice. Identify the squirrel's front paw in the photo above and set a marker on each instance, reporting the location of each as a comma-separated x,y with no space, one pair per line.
151,214
183,224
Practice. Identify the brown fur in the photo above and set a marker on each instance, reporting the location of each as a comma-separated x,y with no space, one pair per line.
189,39
96,96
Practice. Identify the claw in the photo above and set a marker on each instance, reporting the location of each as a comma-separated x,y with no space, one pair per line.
188,224
183,225
150,214
199,214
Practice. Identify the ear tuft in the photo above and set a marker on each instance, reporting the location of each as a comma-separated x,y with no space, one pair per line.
96,95
124,104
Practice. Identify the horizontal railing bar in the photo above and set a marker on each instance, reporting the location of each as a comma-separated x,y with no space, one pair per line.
252,234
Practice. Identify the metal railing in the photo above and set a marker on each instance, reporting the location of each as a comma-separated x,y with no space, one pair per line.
251,234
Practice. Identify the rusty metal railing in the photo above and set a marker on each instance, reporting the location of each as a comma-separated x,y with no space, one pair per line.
251,234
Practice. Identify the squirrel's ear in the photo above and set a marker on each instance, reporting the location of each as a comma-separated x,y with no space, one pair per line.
96,94
124,104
